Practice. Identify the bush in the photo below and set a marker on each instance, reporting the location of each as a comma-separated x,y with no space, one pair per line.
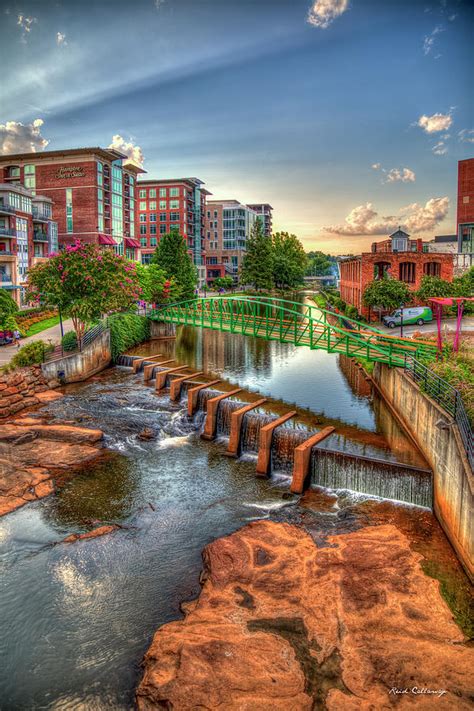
351,312
69,341
31,354
127,330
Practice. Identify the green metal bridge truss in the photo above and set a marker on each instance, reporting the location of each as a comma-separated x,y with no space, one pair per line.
292,322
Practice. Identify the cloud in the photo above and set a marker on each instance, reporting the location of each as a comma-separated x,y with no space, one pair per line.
376,166
323,12
134,153
405,175
159,3
17,137
365,220
440,148
430,39
25,22
61,39
466,135
435,123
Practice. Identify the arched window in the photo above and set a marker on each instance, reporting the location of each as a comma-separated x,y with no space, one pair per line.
407,272
432,269
13,171
381,270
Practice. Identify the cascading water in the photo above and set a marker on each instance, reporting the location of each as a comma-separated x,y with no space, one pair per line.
284,441
125,361
224,412
251,425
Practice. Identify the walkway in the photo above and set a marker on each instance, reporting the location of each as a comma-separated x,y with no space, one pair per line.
49,334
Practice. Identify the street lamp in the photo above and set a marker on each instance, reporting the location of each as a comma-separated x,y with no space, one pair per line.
401,319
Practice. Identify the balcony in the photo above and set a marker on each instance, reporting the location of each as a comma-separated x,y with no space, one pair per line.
40,237
40,215
7,232
9,209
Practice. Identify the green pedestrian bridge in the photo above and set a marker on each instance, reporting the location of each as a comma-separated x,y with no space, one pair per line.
293,322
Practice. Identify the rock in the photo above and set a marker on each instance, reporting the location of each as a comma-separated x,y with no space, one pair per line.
95,533
19,486
146,434
64,433
281,624
48,396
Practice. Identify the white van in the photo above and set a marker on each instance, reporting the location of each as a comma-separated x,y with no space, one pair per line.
415,314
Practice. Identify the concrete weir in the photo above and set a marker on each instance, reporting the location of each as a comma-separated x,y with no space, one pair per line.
212,406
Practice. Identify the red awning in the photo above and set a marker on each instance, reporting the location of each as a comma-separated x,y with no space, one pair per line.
132,243
106,239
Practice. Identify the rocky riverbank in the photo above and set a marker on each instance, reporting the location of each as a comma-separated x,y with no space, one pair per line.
283,624
33,453
22,389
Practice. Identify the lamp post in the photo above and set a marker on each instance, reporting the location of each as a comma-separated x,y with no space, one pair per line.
401,319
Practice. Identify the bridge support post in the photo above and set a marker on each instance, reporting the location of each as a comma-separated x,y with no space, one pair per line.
236,418
193,395
148,369
302,456
211,413
265,443
160,380
175,386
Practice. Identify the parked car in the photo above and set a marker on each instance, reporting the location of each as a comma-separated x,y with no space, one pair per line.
415,314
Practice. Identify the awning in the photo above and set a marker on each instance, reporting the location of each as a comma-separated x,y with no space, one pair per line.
132,243
106,239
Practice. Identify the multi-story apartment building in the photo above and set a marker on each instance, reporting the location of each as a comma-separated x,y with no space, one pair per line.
174,204
28,234
228,227
396,258
92,192
264,212
465,212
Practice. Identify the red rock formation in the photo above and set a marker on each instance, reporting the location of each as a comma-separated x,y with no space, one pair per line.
283,625
95,533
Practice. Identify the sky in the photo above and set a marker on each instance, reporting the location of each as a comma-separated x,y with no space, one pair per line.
347,116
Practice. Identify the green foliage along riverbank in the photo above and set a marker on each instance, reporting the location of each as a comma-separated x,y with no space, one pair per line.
127,330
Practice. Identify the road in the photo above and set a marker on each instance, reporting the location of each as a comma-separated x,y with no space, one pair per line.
49,334
448,324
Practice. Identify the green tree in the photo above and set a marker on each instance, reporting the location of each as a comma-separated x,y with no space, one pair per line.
223,283
433,286
156,287
319,264
86,281
257,264
172,257
8,309
386,294
289,261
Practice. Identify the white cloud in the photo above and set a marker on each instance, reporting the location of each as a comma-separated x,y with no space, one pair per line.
466,135
451,18
440,148
415,218
17,137
405,175
376,166
25,22
435,123
430,39
323,12
134,153
61,39
159,3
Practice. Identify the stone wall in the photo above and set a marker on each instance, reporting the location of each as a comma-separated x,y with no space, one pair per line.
453,479
80,366
18,389
162,329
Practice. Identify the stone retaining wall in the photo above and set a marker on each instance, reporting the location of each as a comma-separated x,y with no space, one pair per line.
77,367
18,389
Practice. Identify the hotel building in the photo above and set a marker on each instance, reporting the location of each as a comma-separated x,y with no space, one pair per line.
228,227
465,212
264,211
92,192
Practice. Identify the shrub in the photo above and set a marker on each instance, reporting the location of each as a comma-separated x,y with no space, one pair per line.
69,341
127,330
31,354
351,312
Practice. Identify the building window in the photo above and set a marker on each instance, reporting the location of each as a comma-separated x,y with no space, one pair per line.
153,241
174,192
174,216
14,172
152,193
143,229
142,194
146,258
381,270
407,272
174,204
162,204
432,269
143,242
69,220
152,205
162,216
162,229
142,218
152,217
162,192
208,214
215,213
142,206
153,229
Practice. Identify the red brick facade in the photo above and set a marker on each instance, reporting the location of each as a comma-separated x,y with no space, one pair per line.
465,191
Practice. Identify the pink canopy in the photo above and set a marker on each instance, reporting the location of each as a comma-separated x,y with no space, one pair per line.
438,303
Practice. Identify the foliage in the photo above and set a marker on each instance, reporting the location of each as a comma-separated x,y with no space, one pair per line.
320,300
69,341
38,326
31,354
127,330
289,261
433,286
8,311
458,370
257,265
86,282
386,294
156,287
351,312
223,283
172,257
319,264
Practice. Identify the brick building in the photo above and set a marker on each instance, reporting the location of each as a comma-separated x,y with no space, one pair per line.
27,235
465,211
407,260
228,227
264,212
92,192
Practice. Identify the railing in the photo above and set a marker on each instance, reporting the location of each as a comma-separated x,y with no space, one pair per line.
40,237
88,338
447,397
7,232
7,208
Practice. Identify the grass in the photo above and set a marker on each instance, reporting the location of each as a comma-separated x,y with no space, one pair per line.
42,325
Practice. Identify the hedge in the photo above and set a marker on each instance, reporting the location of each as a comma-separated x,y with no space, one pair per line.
31,354
127,330
69,341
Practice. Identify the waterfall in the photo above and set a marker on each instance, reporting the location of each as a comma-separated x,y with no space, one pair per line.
204,395
125,361
284,442
389,480
224,412
251,425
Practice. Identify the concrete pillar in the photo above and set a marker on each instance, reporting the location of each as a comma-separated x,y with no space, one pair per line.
138,361
160,380
265,443
236,425
175,386
302,456
148,369
211,413
193,395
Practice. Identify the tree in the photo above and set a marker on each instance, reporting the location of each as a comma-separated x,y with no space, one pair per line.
319,264
156,287
8,309
223,282
433,286
257,264
172,257
386,294
85,281
289,261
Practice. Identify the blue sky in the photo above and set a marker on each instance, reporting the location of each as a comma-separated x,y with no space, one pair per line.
348,116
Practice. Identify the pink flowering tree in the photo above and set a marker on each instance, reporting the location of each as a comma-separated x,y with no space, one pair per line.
85,281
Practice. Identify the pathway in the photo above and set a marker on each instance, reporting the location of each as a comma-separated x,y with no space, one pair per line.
53,334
